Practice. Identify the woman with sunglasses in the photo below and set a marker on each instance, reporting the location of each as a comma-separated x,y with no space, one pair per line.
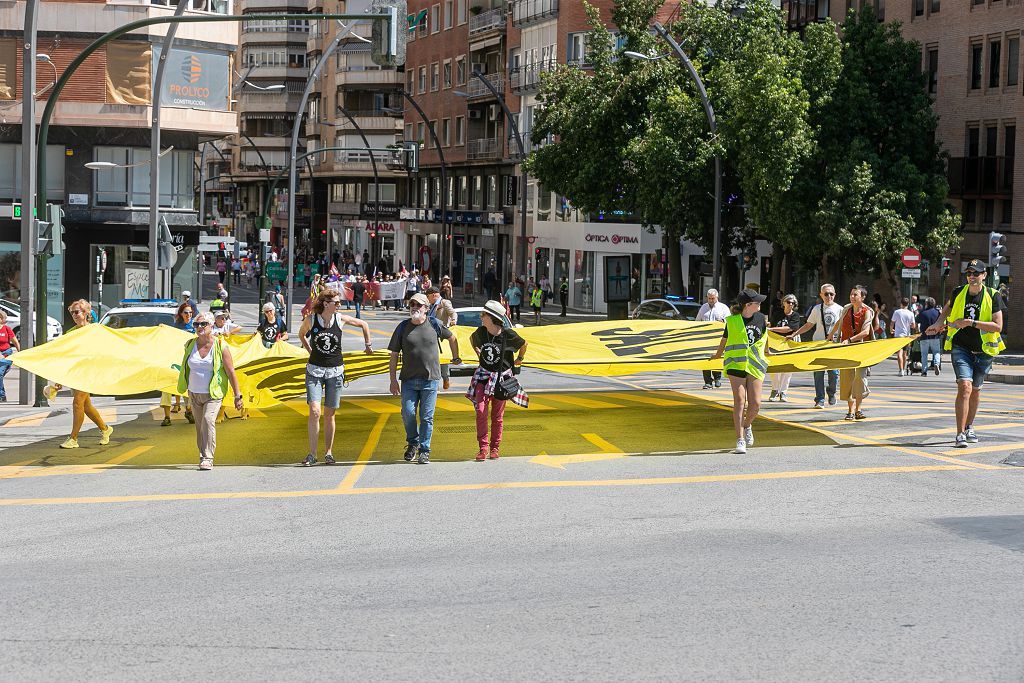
320,334
206,371
81,406
182,321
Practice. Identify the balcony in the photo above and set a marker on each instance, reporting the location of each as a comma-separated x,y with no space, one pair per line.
369,120
527,78
361,78
526,12
477,89
268,102
483,148
981,177
207,6
486,22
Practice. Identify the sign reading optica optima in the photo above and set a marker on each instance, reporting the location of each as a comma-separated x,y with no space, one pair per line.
194,78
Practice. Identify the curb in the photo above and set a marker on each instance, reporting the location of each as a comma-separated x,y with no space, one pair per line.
1005,378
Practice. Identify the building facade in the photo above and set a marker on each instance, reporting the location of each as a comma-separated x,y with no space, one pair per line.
104,115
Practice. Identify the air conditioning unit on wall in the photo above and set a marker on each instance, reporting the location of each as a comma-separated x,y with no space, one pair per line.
494,113
476,114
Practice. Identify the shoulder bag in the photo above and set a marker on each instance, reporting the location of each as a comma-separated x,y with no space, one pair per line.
506,387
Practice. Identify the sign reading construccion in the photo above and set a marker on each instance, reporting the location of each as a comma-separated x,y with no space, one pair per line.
194,78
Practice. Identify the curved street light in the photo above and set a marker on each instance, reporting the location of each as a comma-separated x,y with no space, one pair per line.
111,166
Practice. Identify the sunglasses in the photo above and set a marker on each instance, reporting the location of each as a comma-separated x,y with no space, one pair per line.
200,326
828,294
333,301
973,273
413,307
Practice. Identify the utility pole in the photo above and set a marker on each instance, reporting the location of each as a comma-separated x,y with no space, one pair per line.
28,195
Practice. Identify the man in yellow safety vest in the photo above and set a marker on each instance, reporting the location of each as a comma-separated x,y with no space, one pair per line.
973,318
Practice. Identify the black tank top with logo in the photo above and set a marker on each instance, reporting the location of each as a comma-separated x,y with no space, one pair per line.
325,344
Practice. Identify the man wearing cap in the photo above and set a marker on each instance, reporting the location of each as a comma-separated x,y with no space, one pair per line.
973,319
186,297
417,340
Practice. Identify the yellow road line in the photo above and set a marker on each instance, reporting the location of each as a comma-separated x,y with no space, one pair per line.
128,455
85,468
463,406
903,449
376,405
660,481
603,445
535,405
649,400
33,420
581,402
300,407
932,432
891,418
365,454
979,449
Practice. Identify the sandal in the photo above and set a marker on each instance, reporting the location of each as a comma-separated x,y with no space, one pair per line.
860,415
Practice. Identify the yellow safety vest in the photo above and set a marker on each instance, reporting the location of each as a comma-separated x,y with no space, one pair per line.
739,353
218,380
537,298
991,342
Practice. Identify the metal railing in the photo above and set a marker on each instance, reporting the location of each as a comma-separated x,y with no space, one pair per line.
487,21
527,77
987,177
483,148
211,6
477,89
525,12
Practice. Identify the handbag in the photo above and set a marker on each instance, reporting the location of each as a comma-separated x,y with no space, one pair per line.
505,388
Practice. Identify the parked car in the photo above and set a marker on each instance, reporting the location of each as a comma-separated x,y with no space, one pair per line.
13,311
667,309
141,314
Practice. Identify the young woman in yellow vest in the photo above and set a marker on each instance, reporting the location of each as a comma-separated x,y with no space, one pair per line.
743,351
205,373
973,319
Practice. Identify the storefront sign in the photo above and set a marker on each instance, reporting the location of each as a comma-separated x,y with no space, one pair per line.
511,189
380,227
366,210
78,199
194,78
613,238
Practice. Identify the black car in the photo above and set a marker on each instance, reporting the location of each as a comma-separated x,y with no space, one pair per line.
667,309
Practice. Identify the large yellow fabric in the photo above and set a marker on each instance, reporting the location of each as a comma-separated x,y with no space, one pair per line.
8,68
103,360
128,80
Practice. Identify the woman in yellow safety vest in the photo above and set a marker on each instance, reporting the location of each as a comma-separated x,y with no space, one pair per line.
743,351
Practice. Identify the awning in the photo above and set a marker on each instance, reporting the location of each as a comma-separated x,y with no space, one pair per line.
475,45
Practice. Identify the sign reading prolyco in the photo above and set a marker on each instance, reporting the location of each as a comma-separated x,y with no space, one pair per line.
194,78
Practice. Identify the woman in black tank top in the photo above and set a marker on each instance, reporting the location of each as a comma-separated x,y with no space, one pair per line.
325,343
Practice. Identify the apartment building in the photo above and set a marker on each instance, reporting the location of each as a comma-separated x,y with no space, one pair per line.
104,115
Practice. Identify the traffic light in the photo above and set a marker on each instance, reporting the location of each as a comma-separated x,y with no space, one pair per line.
50,239
946,264
996,249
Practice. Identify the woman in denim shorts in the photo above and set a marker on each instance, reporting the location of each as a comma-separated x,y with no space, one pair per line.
320,334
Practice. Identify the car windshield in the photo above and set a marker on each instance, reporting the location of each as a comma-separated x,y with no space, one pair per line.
687,309
123,319
469,318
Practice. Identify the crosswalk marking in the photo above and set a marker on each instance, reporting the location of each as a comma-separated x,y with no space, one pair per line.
649,400
463,406
979,449
33,420
887,418
934,431
376,405
581,402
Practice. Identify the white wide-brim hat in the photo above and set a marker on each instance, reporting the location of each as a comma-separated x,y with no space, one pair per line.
494,308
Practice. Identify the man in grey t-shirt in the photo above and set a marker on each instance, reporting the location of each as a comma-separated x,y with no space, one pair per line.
418,341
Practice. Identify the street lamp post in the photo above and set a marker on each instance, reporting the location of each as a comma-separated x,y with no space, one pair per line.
520,144
710,113
28,192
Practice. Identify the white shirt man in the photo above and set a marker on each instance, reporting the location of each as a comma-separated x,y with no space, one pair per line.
713,310
823,318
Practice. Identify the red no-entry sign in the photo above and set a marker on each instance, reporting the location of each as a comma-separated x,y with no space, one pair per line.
911,257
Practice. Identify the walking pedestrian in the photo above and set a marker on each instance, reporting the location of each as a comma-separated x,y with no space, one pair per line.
206,371
822,319
182,321
712,310
8,346
236,270
220,299
536,302
81,406
903,325
222,269
856,324
275,297
499,349
417,340
442,310
272,328
514,297
446,288
789,321
931,344
359,293
973,319
743,350
563,295
320,334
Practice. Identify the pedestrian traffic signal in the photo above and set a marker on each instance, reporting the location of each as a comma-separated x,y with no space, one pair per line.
996,249
946,263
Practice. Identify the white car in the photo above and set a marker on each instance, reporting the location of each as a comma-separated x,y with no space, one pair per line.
13,311
144,314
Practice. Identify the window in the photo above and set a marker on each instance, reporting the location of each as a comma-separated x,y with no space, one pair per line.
449,10
990,141
130,186
410,81
435,76
463,191
1007,211
447,82
388,192
423,79
976,66
989,206
446,132
420,130
971,211
408,131
918,8
478,193
461,11
973,141
460,130
435,18
492,192
434,130
460,70
1010,141
10,171
1012,60
935,6
994,60
933,70
576,51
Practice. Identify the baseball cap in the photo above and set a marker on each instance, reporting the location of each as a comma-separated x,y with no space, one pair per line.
186,293
420,299
749,296
976,264
222,313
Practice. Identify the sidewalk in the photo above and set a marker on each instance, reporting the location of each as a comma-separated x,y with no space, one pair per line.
550,315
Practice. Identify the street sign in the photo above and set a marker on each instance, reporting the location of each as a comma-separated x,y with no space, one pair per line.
911,258
276,270
911,273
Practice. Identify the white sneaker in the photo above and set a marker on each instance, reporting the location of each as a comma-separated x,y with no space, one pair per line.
748,435
782,397
741,446
961,440
971,436
773,395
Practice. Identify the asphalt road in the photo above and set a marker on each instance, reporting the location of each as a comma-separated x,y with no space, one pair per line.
638,548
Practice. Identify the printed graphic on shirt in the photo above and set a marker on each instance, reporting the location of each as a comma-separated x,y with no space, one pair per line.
829,318
325,342
489,354
270,334
972,309
753,332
